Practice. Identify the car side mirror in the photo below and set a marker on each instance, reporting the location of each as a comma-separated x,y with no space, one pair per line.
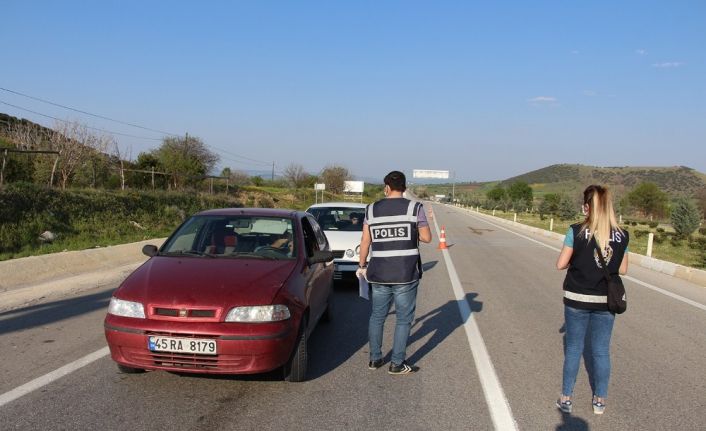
320,256
149,250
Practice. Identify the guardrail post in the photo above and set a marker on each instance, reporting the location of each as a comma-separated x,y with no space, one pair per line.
551,225
515,218
493,212
650,238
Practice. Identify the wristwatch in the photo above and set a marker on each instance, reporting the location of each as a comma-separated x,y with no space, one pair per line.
362,266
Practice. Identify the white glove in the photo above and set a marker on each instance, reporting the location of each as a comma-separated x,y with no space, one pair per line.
361,272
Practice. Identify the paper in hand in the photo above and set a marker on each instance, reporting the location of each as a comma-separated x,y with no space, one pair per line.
363,287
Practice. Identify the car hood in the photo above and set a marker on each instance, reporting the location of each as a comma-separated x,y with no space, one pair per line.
220,282
342,240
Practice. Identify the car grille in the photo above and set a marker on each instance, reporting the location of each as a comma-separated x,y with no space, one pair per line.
337,254
190,313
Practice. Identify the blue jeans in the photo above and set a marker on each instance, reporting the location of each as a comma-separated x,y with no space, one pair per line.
578,323
405,297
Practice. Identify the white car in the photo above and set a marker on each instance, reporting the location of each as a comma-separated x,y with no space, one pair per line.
342,223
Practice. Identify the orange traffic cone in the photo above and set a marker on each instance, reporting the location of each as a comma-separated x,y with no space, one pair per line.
442,239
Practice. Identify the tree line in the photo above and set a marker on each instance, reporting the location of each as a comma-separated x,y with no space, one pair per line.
72,154
646,200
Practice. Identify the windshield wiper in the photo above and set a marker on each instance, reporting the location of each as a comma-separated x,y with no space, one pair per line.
253,254
193,253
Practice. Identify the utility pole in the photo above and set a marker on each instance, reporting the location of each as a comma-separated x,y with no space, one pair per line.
2,171
273,171
453,188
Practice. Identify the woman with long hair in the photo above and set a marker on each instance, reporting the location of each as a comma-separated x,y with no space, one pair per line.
585,293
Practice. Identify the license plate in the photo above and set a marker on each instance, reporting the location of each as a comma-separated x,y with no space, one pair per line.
197,346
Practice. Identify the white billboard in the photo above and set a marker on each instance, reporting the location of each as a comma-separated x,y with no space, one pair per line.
353,186
426,173
320,186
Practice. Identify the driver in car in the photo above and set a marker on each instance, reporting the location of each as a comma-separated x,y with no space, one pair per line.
282,243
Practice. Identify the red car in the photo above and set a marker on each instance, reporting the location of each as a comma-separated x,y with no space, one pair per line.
232,291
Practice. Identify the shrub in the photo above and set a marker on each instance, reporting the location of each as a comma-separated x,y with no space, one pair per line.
702,230
695,245
653,224
265,201
676,242
685,217
634,223
640,233
659,239
660,230
698,243
85,218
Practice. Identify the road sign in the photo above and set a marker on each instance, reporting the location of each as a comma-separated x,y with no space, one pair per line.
426,173
353,186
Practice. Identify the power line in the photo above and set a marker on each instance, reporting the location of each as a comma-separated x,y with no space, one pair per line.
89,127
262,162
266,163
88,113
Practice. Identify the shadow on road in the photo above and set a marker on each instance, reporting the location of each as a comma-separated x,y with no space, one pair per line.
571,423
440,323
51,312
335,342
426,266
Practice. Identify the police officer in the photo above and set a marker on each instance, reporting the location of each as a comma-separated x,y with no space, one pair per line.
392,230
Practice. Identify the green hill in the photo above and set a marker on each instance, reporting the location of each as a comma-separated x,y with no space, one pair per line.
679,180
572,179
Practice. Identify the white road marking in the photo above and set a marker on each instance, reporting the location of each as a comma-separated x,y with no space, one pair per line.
627,277
498,405
44,380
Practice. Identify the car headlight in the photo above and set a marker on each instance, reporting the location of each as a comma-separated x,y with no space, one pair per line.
119,307
260,313
350,253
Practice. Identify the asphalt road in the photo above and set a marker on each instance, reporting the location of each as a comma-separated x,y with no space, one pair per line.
513,293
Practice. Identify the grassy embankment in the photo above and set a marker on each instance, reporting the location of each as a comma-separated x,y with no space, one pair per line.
88,218
665,247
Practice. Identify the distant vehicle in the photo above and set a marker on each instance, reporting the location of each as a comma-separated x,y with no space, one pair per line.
343,224
232,291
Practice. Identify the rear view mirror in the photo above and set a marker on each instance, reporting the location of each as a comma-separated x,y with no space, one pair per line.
149,250
321,256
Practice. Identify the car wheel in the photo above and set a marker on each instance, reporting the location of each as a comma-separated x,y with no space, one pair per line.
295,369
129,370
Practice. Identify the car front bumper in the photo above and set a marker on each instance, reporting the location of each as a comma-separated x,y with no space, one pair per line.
344,269
242,348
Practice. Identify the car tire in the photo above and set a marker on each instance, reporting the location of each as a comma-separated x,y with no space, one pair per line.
129,370
295,369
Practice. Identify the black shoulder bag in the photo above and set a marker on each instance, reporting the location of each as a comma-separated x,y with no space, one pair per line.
617,300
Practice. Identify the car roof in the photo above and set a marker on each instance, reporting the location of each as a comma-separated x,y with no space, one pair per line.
265,212
339,204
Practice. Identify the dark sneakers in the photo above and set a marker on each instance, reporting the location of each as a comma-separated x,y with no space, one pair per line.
564,406
374,365
403,368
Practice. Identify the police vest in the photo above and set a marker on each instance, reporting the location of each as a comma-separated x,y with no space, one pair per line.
394,256
585,286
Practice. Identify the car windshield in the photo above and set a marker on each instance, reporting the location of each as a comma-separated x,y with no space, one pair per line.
339,218
241,236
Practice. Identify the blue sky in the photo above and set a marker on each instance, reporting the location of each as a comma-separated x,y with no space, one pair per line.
487,90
